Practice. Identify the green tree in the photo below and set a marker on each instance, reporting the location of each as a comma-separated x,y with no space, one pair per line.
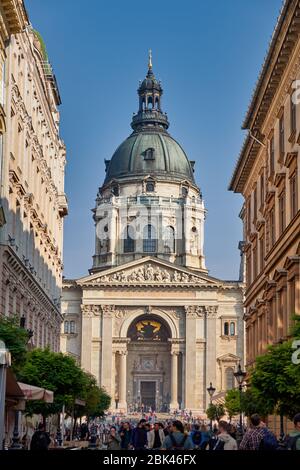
56,372
96,399
232,402
275,380
215,412
15,339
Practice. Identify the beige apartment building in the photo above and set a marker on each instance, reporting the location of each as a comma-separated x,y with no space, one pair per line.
267,175
33,202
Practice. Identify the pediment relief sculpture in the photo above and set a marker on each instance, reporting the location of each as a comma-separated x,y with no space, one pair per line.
150,274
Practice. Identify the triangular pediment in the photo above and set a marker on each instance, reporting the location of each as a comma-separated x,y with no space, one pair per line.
228,358
148,271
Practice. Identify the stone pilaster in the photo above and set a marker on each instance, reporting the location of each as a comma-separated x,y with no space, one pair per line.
122,389
190,357
106,352
86,345
211,314
174,380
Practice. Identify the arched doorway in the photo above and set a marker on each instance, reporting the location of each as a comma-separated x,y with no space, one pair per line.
148,364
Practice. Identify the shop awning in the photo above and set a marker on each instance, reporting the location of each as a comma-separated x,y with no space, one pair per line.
36,393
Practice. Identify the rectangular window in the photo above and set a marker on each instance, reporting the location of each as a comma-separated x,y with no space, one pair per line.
293,115
249,214
262,189
272,156
281,136
255,204
72,327
272,227
254,262
261,253
281,207
248,270
294,195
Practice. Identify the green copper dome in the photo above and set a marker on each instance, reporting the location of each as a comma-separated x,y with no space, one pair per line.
155,154
150,150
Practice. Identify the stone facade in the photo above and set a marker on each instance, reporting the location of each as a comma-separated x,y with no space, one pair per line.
32,188
267,175
149,322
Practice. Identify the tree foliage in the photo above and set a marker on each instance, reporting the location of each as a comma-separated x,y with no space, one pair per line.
61,374
215,412
276,379
249,402
15,339
232,402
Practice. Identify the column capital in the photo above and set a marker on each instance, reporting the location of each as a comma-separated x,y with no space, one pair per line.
195,311
108,311
90,310
211,311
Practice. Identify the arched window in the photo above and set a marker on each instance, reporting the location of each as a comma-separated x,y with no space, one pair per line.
149,102
149,239
232,328
229,378
72,327
128,241
226,328
169,239
66,327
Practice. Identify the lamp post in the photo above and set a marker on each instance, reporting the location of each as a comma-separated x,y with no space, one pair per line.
240,377
211,390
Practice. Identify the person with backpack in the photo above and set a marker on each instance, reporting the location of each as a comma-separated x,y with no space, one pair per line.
196,436
214,442
40,439
225,437
293,440
177,440
254,435
269,441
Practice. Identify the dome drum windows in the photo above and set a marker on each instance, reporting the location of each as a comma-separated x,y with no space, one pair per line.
129,242
149,185
149,239
169,239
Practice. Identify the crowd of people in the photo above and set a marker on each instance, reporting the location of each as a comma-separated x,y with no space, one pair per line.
175,435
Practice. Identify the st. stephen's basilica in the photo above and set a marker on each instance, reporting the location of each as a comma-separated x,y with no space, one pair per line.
148,321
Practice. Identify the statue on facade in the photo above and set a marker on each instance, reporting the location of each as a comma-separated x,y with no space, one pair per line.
149,274
177,276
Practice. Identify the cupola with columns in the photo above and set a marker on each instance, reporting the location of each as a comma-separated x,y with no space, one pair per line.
149,203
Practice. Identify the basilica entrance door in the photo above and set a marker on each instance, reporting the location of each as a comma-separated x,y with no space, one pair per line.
148,394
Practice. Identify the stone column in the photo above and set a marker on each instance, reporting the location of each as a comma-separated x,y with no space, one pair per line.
122,382
106,352
174,380
211,360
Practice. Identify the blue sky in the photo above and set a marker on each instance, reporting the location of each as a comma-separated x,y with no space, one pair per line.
208,56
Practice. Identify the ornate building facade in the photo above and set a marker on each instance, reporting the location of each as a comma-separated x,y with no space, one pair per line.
33,202
267,175
148,321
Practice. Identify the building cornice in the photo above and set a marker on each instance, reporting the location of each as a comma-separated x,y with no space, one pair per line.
283,41
282,46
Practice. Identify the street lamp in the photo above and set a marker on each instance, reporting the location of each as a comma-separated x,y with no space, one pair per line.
211,390
240,377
